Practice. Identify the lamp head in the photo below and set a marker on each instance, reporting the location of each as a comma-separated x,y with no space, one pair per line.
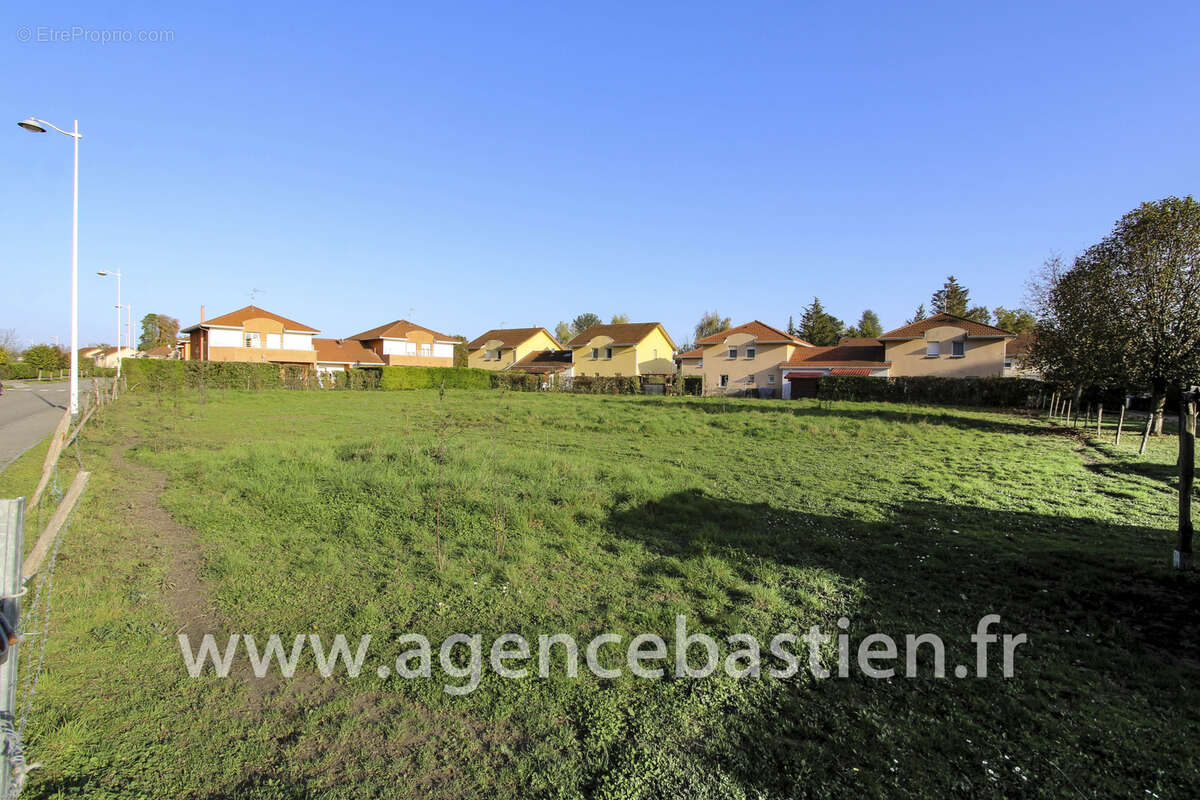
32,124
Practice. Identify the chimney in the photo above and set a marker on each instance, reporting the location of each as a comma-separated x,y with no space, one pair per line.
202,313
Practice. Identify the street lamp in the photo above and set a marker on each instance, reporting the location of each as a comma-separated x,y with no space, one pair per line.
39,126
117,275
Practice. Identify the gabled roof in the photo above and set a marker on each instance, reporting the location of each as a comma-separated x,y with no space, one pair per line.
697,353
399,329
511,337
235,319
162,350
544,361
842,355
622,334
344,351
917,329
761,331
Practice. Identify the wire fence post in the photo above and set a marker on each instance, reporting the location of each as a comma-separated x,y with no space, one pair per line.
12,544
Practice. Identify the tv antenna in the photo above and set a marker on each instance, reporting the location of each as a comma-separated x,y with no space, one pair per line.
254,292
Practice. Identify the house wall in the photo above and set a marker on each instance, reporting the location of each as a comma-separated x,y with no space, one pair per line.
762,368
646,356
690,366
536,343
228,344
982,357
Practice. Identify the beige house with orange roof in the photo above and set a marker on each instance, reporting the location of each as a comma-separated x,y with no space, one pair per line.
336,355
800,373
947,346
501,348
251,334
404,343
741,360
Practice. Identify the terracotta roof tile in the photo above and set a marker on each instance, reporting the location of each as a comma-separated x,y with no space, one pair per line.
760,330
544,361
399,330
1019,345
917,329
344,351
236,318
841,355
622,334
697,353
511,337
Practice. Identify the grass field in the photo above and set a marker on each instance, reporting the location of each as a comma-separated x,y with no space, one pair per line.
294,512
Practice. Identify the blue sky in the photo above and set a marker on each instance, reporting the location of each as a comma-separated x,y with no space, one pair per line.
523,163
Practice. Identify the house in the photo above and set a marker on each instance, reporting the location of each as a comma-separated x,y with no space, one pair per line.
851,356
338,355
1016,358
946,346
165,351
551,364
251,334
89,353
501,348
404,343
109,356
742,360
622,350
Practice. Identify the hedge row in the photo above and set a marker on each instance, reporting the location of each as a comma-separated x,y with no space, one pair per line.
394,378
996,392
516,381
583,384
20,371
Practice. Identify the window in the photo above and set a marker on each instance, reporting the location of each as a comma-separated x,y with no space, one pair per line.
932,350
733,352
771,378
427,349
608,354
958,348
724,380
699,363
750,352
253,339
1008,364
595,354
750,380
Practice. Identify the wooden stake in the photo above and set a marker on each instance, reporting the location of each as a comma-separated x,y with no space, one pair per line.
1099,418
1068,411
1187,475
61,515
1120,423
1146,434
56,445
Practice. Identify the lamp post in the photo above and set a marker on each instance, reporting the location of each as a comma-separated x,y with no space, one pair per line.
128,325
39,126
117,275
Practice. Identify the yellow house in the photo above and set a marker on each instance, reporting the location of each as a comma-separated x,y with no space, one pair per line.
946,345
633,348
743,360
500,348
251,334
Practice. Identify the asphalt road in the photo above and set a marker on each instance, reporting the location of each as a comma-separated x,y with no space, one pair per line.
29,413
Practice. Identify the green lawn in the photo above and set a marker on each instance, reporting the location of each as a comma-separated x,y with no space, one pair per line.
293,512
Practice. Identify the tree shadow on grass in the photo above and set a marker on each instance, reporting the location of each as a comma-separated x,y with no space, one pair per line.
959,417
1112,637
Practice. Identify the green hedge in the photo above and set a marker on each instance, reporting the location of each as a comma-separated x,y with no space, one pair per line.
995,392
395,378
583,384
158,375
19,370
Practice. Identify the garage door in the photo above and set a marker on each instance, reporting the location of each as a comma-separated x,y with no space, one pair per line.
803,387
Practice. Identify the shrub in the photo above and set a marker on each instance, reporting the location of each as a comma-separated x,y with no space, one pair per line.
397,378
516,381
583,384
359,378
17,370
996,392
